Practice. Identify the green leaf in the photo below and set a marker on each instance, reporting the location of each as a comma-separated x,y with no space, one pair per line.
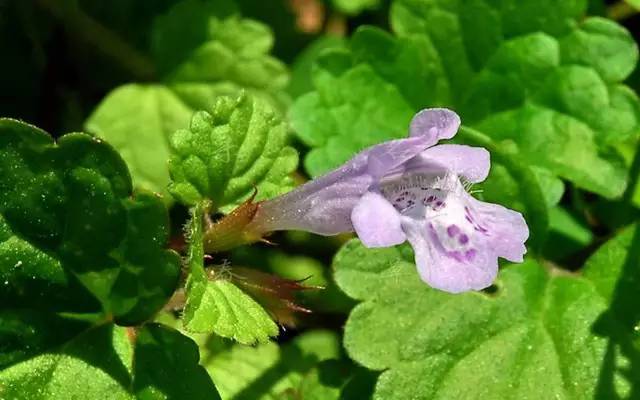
534,198
166,367
567,234
222,308
311,272
183,29
26,332
344,114
225,154
69,223
324,382
369,93
633,3
216,305
201,53
354,7
269,371
560,76
301,74
501,187
95,364
561,144
574,333
102,362
552,89
137,120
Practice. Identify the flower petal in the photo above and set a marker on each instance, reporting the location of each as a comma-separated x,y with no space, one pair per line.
507,229
384,157
321,206
442,271
471,162
435,123
377,222
427,127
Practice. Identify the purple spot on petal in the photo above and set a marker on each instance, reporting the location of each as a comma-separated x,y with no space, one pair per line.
453,230
456,255
470,254
439,203
468,218
463,239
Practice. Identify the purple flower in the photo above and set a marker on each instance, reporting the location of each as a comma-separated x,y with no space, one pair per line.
411,189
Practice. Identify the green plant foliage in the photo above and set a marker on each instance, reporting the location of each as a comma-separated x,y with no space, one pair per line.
216,305
269,371
551,88
325,295
74,238
133,262
542,333
240,145
300,82
567,234
354,7
108,361
201,52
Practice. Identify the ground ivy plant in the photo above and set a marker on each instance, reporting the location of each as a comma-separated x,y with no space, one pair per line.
319,200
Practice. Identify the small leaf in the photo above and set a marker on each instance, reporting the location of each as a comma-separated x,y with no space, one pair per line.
227,311
218,306
573,333
240,145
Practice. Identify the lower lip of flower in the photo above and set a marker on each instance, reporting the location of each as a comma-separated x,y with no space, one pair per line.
450,222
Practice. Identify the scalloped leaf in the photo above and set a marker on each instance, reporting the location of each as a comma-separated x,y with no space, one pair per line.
575,334
154,362
225,154
72,235
201,54
555,82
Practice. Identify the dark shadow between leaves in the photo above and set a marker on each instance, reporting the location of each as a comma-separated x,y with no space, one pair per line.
491,291
618,324
291,360
96,348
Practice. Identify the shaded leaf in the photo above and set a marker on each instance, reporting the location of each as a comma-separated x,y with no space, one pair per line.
69,222
269,371
108,361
